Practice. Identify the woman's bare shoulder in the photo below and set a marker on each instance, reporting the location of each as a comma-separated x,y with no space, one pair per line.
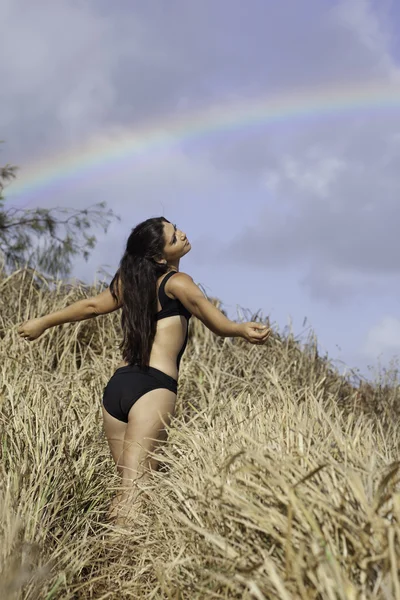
182,287
181,275
178,280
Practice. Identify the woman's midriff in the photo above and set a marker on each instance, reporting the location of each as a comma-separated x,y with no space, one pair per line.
168,341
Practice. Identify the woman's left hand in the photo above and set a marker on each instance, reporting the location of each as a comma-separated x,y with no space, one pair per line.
32,329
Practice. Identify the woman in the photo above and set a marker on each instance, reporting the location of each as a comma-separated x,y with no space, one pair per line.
157,302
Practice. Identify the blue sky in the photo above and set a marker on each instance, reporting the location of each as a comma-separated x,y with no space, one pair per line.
295,219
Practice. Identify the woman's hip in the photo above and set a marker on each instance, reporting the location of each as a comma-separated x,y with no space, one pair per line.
131,382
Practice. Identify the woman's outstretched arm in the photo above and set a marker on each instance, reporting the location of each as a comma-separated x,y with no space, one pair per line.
87,308
183,287
78,311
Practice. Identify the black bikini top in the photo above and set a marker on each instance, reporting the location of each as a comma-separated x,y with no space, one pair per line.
170,306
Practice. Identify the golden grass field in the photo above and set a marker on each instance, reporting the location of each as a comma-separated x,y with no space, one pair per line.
279,479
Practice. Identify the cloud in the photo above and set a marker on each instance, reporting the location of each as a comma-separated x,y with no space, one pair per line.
372,30
383,337
71,70
332,187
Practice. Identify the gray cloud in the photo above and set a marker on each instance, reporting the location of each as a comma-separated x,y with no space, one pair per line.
332,189
72,69
330,206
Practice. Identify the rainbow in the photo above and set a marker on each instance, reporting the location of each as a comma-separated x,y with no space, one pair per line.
143,143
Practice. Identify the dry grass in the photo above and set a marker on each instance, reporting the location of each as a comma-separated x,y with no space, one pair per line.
279,480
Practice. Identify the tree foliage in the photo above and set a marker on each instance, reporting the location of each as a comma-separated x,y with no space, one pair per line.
43,238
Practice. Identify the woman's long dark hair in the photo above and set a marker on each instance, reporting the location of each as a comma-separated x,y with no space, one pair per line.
139,273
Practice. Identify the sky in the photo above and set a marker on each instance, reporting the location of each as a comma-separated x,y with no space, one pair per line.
294,218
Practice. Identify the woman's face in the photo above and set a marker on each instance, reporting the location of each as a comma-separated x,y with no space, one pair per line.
176,242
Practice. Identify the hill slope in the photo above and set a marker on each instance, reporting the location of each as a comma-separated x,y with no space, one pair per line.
279,479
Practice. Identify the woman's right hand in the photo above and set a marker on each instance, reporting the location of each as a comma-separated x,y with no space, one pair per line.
255,333
32,329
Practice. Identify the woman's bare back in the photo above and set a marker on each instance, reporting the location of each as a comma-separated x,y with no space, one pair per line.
169,338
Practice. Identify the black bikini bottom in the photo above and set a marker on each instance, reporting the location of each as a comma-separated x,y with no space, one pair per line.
128,384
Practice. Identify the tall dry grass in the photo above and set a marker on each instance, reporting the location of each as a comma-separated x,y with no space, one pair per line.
279,479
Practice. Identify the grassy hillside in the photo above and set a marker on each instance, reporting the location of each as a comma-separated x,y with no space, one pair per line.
279,479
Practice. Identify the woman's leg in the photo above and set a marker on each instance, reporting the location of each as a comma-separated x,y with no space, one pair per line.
115,432
145,430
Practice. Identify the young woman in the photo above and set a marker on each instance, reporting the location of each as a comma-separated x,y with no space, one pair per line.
157,301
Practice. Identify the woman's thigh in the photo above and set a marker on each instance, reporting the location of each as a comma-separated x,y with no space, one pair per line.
115,431
147,420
